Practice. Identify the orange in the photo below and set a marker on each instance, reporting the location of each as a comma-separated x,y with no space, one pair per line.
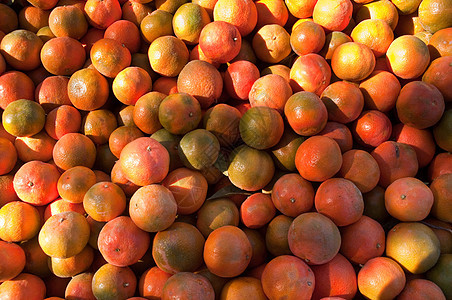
110,57
135,12
216,213
9,156
362,240
68,21
382,9
9,20
344,101
122,243
24,286
250,169
71,266
353,61
271,43
421,289
36,182
371,128
187,285
381,278
404,49
412,106
21,221
440,165
61,205
101,14
243,288
178,248
440,274
308,37
335,278
145,112
88,89
165,85
188,21
442,131
318,158
257,210
435,15
201,80
36,147
246,53
374,204
220,41
125,115
104,201
283,153
92,35
306,113
152,281
63,55
420,139
179,113
80,286
169,6
380,90
276,235
33,18
333,15
406,7
170,142
15,85
223,121
396,160
361,168
56,236
292,195
153,208
314,238
240,13
74,149
20,49
199,149
7,189
156,24
340,200
340,133
333,40
208,5
98,125
227,251
438,45
52,92
130,84
271,91
61,120
374,33
438,74
442,199
189,188
261,127
301,9
278,69
414,246
126,33
271,12
111,282
310,73
168,55
144,161
15,262
121,136
239,79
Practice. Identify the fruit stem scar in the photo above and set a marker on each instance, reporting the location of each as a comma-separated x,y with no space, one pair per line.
403,197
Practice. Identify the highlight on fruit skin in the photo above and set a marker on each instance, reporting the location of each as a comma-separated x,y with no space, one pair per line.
225,149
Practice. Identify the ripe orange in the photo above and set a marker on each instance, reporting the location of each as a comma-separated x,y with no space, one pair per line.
201,80
308,37
122,243
344,101
310,73
257,210
442,199
21,221
144,161
188,21
382,9
23,286
220,41
88,89
371,128
271,12
227,251
270,90
239,79
155,24
104,201
374,33
318,158
314,238
340,133
361,168
74,149
333,40
440,164
33,18
240,13
438,45
126,33
217,213
287,277
36,147
7,189
80,286
15,85
23,118
9,20
63,55
111,282
271,43
438,74
187,285
98,125
71,266
9,156
435,15
61,120
62,19
20,49
130,84
145,112
380,90
404,49
333,15
110,57
353,61
52,92
168,55
152,281
421,289
243,288
101,14
15,262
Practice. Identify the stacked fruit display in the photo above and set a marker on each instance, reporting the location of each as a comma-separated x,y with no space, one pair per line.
226,149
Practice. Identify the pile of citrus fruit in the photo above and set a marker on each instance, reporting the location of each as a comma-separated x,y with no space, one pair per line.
226,149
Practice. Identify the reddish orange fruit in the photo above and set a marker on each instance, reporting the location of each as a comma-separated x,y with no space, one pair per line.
110,57
372,128
310,73
74,149
22,221
270,90
344,101
361,168
220,41
240,13
239,79
101,14
187,285
24,286
257,210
